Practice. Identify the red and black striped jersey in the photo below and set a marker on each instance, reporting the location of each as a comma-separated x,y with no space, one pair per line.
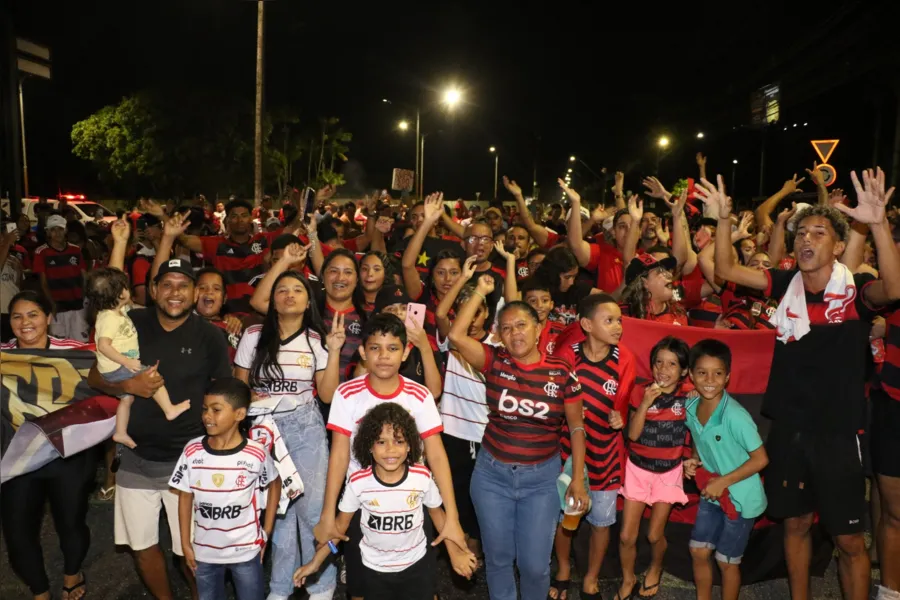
353,329
239,263
660,447
606,385
526,405
65,275
547,341
889,377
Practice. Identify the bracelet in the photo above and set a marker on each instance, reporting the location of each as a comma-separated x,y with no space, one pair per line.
581,429
483,297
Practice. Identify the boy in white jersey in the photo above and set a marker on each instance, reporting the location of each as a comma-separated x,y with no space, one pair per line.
384,349
221,477
390,491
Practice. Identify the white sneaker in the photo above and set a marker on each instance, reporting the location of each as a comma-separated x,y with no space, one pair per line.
887,594
326,595
274,596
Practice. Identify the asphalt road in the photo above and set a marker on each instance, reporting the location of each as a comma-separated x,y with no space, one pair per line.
111,574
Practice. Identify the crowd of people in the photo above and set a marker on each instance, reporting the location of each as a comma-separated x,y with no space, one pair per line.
306,385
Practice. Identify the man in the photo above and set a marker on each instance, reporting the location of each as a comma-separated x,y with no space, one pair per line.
150,229
433,243
189,353
816,390
61,267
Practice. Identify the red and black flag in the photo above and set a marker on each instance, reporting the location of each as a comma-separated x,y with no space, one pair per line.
48,410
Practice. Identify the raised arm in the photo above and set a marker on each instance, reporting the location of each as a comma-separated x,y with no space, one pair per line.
172,230
471,350
618,190
452,226
817,177
293,253
434,208
726,267
537,232
120,232
328,379
575,236
510,289
764,210
442,312
681,234
872,200
636,210
701,164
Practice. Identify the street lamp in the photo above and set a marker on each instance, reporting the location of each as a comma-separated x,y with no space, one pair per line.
403,125
452,97
493,151
661,145
572,159
734,164
569,171
663,142
700,135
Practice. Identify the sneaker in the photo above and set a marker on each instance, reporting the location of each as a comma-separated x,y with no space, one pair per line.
326,595
274,596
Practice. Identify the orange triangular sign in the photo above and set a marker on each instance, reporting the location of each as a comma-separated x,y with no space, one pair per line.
824,148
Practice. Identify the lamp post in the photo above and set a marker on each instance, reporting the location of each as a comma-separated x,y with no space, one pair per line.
734,165
493,151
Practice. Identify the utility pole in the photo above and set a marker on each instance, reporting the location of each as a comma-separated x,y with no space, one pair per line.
258,141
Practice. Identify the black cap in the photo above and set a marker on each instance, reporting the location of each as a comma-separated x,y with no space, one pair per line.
147,220
388,295
176,265
644,263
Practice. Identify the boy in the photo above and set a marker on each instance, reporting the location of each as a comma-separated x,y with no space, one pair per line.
390,492
606,371
220,477
728,446
383,349
536,293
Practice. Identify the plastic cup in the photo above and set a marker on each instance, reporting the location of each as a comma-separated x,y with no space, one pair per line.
571,516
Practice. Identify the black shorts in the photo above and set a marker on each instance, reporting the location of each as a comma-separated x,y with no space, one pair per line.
814,472
461,456
885,443
416,582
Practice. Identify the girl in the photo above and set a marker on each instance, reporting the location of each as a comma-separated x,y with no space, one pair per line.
286,357
118,355
391,489
373,274
653,470
513,486
650,292
559,270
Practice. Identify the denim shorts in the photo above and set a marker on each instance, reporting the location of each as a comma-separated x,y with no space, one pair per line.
122,374
713,529
603,508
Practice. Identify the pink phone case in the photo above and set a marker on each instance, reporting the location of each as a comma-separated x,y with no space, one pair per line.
415,314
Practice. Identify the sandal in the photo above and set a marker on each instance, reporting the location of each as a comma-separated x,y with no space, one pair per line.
654,588
106,494
561,586
68,590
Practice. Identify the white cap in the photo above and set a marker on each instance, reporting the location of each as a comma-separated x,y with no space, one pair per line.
792,223
273,221
55,221
585,213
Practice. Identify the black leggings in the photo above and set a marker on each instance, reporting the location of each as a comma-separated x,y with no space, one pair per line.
65,483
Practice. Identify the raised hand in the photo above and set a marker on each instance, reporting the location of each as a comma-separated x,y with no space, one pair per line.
120,231
815,175
416,336
498,246
485,284
786,215
677,207
468,270
635,208
619,183
655,189
573,195
701,160
434,207
324,193
511,186
743,231
871,198
714,196
792,185
152,206
294,253
837,197
384,225
176,225
599,214
662,232
335,339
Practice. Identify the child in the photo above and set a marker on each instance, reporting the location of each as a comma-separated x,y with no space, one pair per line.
384,348
219,478
390,490
118,353
653,471
729,448
605,370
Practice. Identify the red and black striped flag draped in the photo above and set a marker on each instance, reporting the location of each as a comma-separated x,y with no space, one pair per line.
751,353
48,410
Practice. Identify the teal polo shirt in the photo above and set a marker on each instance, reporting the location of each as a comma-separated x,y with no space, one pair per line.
724,444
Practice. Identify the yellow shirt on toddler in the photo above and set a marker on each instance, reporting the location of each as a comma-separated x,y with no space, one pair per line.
116,325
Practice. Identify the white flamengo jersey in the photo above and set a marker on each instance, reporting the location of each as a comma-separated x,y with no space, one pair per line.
392,516
464,408
226,485
354,398
300,359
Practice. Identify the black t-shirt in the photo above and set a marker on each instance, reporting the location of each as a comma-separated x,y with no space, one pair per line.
189,358
565,304
817,383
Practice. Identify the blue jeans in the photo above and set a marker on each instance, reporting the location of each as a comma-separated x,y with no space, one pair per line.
517,507
714,530
293,543
248,578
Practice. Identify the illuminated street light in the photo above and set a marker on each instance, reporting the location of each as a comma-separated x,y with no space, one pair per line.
492,149
571,159
452,97
663,142
734,161
569,171
403,125
700,136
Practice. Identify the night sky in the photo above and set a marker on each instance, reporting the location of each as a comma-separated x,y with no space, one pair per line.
595,79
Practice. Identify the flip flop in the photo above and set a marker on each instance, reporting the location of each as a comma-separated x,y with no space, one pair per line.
655,587
68,590
107,494
561,586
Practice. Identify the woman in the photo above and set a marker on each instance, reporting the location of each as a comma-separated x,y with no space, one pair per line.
514,480
650,292
64,482
285,361
559,269
340,277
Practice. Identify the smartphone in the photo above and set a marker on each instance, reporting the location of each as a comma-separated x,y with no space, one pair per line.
10,227
415,314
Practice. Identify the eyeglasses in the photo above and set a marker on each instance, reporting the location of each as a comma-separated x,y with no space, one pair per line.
484,239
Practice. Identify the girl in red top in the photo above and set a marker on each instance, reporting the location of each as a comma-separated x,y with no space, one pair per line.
650,290
653,471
